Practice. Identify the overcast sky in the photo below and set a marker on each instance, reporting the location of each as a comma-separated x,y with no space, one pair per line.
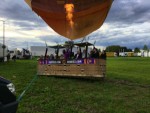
127,24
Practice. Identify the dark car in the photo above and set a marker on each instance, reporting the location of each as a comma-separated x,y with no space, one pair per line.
8,102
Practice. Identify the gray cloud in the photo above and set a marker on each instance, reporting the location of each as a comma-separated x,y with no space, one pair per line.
53,39
116,38
28,25
19,11
22,43
129,11
124,16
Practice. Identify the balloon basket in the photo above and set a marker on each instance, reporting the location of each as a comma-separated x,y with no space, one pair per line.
77,68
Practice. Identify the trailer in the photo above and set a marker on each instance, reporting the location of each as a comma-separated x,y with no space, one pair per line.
24,54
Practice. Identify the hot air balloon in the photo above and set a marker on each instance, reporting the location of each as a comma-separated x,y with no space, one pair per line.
72,18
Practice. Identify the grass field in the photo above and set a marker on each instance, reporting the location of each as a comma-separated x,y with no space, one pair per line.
126,89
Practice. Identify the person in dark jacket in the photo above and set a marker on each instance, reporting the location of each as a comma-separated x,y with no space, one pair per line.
8,56
78,55
103,55
14,58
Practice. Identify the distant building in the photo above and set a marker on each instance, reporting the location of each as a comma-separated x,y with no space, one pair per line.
40,50
145,53
142,53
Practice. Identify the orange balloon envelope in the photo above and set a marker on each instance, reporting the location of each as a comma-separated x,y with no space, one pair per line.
74,21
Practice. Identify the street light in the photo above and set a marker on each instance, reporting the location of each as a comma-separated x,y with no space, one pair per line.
3,39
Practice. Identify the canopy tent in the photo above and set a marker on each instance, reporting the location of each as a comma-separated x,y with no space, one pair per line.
83,44
57,46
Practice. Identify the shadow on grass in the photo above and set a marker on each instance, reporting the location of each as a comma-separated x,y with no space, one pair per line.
125,82
77,78
100,80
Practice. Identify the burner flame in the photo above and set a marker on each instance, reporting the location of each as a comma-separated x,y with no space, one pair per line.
69,16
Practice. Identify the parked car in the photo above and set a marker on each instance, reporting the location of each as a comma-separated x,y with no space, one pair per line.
8,102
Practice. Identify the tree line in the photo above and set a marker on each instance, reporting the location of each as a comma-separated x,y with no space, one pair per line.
117,48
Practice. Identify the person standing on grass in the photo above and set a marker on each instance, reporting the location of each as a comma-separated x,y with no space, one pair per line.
14,58
8,56
103,55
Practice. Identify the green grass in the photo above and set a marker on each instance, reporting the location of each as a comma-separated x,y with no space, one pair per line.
129,68
126,88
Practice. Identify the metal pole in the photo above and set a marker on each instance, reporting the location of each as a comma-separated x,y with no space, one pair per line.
3,39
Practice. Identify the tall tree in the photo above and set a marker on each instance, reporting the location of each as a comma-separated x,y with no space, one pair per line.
136,50
113,48
18,52
117,48
145,48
